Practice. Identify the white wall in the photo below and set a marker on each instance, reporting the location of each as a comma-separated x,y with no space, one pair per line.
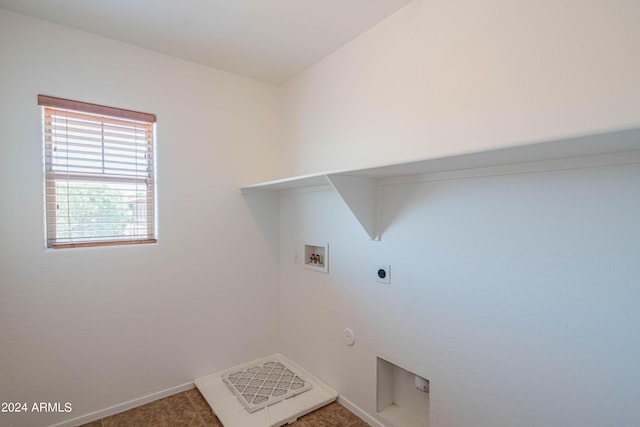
97,327
515,294
442,77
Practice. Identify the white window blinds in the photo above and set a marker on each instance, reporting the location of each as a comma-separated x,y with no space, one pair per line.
99,177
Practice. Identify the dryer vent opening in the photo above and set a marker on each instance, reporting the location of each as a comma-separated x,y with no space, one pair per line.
402,395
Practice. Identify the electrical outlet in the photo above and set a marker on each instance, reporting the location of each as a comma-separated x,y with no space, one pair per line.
383,274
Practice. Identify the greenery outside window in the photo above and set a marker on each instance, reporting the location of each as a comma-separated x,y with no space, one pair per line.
99,174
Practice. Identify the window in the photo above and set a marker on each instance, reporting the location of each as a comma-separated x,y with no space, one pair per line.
99,174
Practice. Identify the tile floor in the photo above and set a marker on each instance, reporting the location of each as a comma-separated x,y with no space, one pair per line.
189,409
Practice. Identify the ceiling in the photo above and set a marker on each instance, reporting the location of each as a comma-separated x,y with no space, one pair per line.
270,40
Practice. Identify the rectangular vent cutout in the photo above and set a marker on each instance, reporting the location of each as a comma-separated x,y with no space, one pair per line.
265,384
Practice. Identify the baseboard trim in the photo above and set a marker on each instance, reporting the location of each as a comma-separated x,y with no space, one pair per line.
134,403
121,407
359,412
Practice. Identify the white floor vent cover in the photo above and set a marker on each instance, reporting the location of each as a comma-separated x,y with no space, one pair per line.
268,392
264,385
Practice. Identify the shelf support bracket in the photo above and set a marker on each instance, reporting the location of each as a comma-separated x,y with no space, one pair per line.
360,195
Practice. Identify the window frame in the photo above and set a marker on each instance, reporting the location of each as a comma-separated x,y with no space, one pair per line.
104,114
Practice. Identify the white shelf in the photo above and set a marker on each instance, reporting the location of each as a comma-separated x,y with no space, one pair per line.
358,187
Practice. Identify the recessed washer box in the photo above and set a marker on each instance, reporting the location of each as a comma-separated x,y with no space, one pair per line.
316,257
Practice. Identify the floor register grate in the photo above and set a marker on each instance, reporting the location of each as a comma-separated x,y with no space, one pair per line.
265,384
296,392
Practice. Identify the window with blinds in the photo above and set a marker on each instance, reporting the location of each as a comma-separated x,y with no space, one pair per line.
99,174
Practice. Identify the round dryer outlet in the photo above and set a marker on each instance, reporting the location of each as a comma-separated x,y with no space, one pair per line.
349,337
383,274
